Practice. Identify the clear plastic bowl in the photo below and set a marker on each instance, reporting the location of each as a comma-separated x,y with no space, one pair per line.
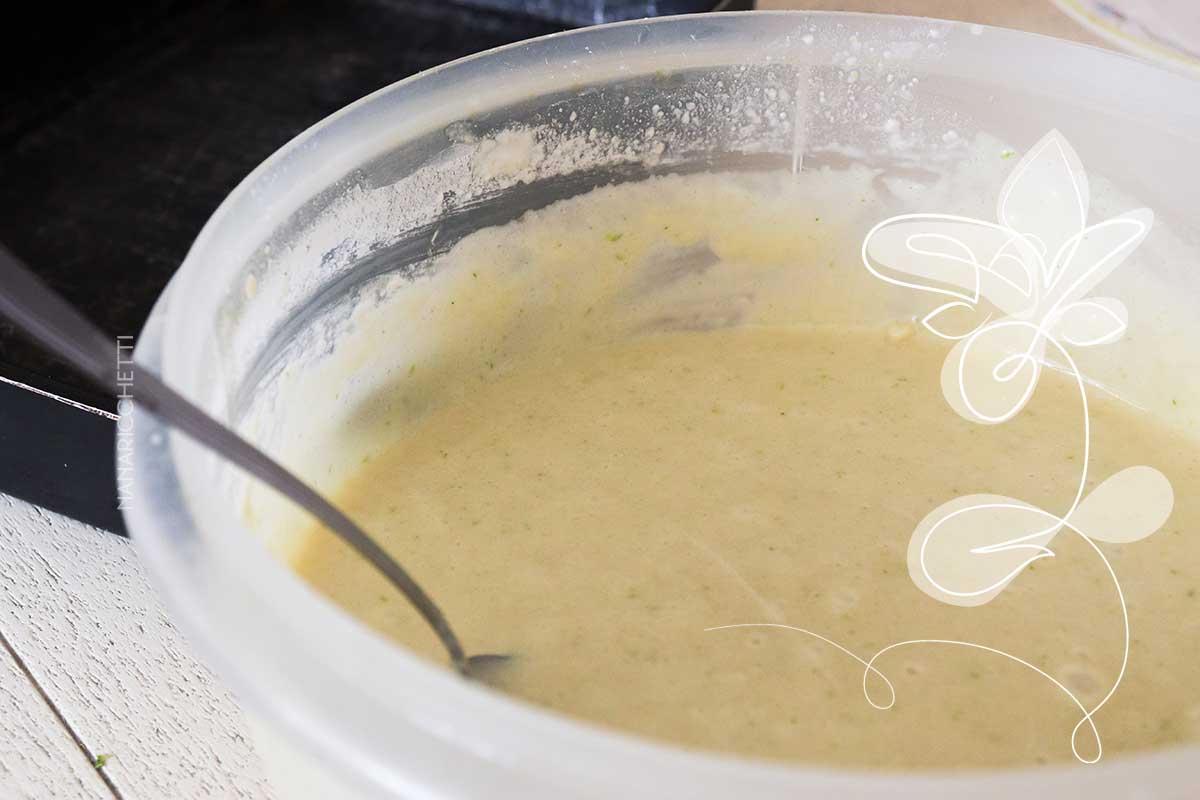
374,189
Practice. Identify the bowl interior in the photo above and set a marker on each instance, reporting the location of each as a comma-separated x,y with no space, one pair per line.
362,209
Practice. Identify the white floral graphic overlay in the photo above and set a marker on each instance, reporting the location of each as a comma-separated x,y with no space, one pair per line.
1015,293
1034,268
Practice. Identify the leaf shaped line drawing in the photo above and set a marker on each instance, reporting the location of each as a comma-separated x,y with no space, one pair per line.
1046,197
1087,323
965,551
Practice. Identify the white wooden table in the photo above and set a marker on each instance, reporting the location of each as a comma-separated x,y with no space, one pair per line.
91,667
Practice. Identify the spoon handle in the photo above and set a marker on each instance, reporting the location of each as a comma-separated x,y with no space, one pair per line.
54,322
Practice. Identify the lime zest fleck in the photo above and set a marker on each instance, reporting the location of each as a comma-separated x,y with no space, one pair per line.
1007,153
613,237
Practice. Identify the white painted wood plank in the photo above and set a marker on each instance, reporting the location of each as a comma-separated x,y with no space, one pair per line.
38,757
76,608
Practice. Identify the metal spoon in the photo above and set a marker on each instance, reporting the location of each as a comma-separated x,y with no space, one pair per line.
55,323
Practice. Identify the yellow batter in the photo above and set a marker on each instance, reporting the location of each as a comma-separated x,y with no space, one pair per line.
594,511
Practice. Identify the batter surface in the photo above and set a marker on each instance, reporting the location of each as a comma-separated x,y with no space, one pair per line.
596,511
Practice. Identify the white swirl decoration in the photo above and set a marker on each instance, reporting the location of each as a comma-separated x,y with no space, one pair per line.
1011,291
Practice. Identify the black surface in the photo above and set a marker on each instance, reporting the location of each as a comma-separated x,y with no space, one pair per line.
593,12
59,457
119,141
124,126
